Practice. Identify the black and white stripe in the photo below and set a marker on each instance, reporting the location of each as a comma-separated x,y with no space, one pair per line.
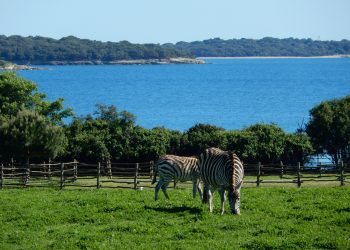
177,168
222,171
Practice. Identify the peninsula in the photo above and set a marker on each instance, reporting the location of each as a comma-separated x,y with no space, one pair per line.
75,51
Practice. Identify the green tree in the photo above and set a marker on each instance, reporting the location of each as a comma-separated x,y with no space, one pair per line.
30,135
244,144
329,128
270,141
297,148
108,129
90,147
112,134
259,142
149,144
202,136
87,139
17,93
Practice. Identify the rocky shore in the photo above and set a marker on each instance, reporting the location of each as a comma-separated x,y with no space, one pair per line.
180,60
13,66
160,61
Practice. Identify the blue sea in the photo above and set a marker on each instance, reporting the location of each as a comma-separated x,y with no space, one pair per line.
229,93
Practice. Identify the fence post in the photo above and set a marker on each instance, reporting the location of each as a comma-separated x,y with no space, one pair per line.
282,169
26,174
62,176
75,170
49,169
109,169
151,166
44,169
136,175
298,174
12,167
1,176
341,173
320,166
258,174
98,175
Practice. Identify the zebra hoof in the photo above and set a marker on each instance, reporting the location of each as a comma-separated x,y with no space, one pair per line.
236,212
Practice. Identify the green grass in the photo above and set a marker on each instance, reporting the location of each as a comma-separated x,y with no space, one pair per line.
272,218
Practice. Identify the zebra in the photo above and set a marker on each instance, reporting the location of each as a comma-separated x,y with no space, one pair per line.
177,168
221,170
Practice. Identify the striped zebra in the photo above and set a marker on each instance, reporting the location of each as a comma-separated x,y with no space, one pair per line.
177,168
221,170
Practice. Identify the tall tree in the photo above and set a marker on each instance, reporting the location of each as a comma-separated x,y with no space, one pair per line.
30,135
329,128
17,93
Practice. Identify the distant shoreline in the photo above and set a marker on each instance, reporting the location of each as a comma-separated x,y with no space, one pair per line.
151,61
164,61
12,67
273,57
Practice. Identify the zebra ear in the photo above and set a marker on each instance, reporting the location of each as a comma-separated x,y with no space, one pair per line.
232,152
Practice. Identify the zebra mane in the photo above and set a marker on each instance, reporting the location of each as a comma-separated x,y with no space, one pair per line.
232,163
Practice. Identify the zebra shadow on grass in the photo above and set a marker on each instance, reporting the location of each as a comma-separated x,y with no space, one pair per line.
191,210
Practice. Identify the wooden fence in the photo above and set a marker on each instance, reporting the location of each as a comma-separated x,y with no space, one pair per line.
77,174
297,174
139,175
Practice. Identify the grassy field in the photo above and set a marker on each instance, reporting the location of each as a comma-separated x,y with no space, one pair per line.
272,218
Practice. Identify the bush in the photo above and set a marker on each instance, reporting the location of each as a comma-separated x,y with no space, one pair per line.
30,135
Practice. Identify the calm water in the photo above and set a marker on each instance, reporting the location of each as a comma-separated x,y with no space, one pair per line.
231,93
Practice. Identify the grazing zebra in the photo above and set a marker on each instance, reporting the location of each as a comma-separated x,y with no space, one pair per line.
221,170
177,168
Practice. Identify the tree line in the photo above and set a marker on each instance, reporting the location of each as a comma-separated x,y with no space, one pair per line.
32,128
43,50
267,46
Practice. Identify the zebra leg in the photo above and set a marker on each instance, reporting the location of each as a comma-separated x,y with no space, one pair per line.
199,188
194,188
205,194
222,196
159,184
210,200
164,187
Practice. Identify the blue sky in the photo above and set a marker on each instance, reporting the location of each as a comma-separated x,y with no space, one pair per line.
161,21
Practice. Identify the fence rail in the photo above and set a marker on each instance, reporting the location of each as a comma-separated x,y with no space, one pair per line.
76,174
139,175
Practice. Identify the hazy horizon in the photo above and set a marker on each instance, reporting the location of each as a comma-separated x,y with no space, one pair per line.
172,42
157,21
